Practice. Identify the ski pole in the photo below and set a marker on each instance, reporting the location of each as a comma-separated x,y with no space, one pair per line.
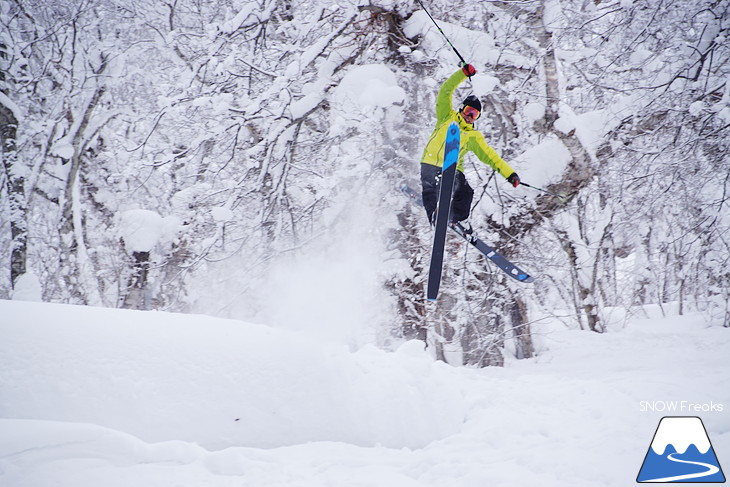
561,197
442,33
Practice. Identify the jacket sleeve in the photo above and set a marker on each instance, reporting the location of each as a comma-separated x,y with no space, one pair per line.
487,155
443,100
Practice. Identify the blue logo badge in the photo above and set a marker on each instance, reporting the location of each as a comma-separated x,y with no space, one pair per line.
681,452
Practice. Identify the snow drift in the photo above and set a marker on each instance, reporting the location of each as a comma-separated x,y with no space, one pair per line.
216,382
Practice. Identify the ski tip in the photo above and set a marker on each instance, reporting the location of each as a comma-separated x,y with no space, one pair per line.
518,274
433,300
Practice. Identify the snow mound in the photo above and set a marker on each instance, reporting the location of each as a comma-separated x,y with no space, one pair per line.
218,383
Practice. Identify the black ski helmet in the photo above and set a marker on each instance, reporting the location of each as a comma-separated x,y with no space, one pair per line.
471,101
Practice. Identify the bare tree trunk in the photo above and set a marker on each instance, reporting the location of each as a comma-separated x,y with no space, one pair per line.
15,188
524,348
171,292
444,338
14,184
137,288
71,236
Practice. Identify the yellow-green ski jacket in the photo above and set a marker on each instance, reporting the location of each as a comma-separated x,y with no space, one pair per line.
471,139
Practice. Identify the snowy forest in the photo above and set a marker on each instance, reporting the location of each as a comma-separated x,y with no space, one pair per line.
243,159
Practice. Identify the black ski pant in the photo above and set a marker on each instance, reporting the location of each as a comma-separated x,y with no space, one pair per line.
461,200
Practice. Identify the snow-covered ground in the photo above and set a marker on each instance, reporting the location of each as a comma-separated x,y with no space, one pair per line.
100,397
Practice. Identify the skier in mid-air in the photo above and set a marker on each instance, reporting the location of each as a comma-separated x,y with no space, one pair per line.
471,141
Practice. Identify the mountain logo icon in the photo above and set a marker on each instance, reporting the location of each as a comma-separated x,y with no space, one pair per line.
681,452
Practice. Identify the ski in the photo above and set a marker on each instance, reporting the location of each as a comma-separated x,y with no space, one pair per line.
443,209
490,252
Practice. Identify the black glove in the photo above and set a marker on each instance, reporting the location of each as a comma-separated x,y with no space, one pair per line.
468,69
514,179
